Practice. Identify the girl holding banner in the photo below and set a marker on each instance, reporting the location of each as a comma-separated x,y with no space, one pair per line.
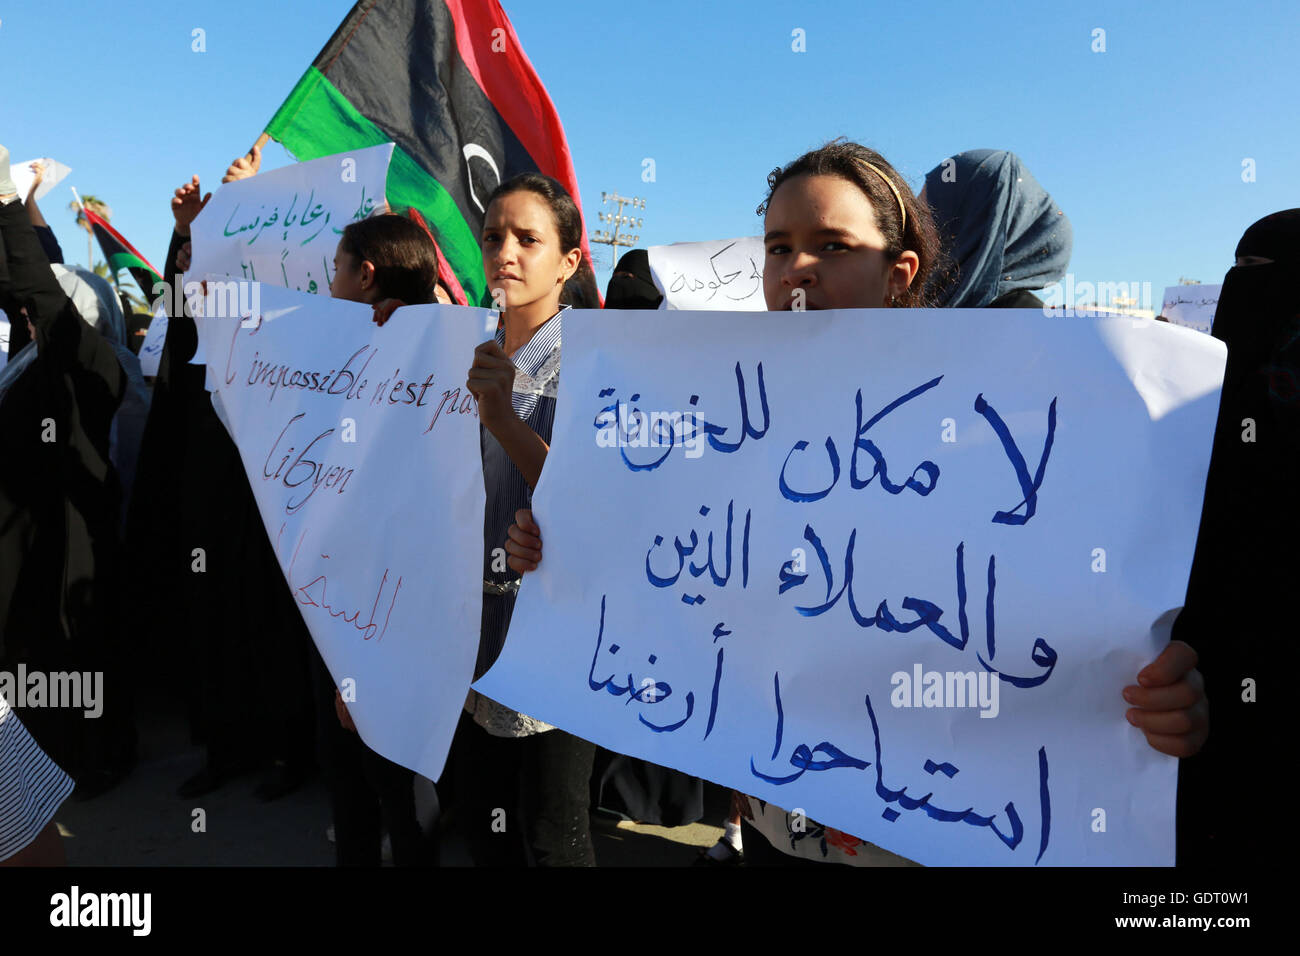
384,261
532,235
844,231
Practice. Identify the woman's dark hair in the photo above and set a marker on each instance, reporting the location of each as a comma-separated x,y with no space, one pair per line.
850,161
581,291
405,260
568,226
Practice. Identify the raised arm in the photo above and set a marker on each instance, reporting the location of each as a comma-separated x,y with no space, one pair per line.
62,336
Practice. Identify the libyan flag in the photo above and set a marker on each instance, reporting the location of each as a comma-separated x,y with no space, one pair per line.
448,82
120,255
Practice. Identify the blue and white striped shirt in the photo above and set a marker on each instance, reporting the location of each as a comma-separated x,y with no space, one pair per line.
533,399
32,786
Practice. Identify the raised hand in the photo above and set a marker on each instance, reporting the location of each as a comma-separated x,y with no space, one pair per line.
245,166
187,204
38,176
491,380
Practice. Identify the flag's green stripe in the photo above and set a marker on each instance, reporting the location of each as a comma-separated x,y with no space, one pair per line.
125,260
317,120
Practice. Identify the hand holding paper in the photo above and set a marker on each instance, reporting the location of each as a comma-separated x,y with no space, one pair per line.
245,166
1170,706
524,544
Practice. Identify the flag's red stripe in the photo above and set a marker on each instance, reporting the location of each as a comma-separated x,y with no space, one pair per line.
445,272
511,83
97,221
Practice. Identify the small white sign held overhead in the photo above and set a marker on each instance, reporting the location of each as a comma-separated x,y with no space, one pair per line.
1191,306
23,176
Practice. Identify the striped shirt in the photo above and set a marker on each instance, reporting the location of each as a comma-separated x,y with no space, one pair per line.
32,787
533,399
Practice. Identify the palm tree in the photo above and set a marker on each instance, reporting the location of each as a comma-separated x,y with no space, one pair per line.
99,208
136,301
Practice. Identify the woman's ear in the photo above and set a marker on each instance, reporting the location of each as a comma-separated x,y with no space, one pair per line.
569,264
901,273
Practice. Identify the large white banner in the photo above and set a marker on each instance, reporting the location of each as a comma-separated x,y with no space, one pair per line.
362,449
1191,306
282,227
890,569
718,275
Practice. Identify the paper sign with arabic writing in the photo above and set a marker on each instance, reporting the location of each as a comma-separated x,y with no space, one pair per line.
721,274
1192,306
282,227
892,569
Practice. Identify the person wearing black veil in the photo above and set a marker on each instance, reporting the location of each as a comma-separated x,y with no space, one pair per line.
643,791
1004,235
220,614
632,286
60,499
1247,559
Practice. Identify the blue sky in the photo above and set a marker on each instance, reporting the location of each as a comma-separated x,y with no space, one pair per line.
1141,145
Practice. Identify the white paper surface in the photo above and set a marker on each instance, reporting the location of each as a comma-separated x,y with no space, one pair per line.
372,496
22,175
721,274
155,337
658,630
283,227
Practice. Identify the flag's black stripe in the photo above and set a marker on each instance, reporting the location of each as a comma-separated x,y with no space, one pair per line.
374,60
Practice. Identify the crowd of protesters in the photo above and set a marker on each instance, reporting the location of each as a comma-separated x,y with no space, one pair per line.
101,472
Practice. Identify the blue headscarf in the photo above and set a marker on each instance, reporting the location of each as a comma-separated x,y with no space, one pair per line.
1001,229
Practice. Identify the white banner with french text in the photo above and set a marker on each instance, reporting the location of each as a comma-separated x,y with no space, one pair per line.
362,449
891,570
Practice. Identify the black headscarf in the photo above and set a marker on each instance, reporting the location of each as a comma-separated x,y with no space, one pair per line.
1000,228
1239,615
60,499
1259,319
632,286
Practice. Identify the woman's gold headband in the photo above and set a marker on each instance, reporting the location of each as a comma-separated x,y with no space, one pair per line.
892,188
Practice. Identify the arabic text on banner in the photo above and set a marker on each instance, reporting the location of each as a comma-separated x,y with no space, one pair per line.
889,570
282,227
